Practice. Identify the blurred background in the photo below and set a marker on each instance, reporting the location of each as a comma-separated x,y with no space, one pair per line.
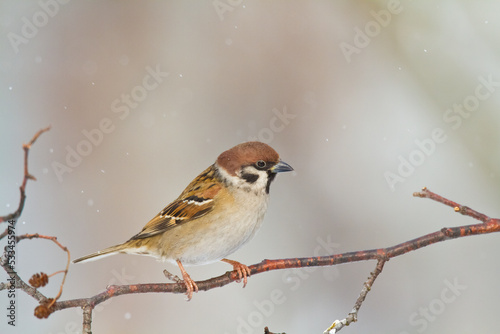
368,101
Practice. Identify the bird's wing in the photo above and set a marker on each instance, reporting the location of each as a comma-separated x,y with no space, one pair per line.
195,201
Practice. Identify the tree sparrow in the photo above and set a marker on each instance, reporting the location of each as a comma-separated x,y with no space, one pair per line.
218,212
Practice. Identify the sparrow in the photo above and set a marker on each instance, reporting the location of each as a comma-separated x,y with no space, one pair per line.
217,213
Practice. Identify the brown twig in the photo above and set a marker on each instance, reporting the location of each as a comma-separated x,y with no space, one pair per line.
12,218
27,176
64,248
337,325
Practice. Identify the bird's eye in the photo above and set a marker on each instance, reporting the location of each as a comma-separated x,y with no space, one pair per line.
261,164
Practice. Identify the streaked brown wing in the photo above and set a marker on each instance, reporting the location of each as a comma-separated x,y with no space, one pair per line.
195,201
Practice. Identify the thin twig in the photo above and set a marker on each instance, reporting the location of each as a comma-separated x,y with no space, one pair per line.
58,272
27,176
337,325
64,248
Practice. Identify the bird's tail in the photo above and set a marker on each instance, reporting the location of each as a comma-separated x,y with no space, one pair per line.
102,253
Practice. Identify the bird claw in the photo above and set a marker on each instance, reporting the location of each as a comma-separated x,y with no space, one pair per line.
242,270
190,287
188,282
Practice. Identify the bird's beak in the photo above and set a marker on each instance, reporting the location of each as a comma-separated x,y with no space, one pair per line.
281,167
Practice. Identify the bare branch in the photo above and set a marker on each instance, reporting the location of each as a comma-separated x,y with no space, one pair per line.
64,248
87,319
20,284
337,325
489,226
27,175
382,255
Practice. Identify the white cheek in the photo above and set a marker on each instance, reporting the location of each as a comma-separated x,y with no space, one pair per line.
237,181
259,185
262,181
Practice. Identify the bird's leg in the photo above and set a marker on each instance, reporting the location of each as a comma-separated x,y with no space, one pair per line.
188,281
241,269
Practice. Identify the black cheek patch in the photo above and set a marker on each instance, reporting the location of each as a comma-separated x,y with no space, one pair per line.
250,178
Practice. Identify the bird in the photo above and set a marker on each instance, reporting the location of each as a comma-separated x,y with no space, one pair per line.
217,213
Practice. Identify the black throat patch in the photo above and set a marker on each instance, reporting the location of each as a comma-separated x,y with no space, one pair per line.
270,178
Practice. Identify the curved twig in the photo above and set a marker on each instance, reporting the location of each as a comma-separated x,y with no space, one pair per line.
27,176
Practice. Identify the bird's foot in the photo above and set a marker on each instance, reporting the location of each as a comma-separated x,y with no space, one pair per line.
188,282
242,270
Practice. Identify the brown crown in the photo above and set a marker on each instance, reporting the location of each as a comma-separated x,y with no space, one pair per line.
246,154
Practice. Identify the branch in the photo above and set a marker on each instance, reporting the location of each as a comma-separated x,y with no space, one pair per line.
27,176
12,219
37,280
20,284
488,226
382,255
87,319
65,271
337,325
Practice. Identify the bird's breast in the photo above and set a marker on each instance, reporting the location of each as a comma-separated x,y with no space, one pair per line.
219,233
